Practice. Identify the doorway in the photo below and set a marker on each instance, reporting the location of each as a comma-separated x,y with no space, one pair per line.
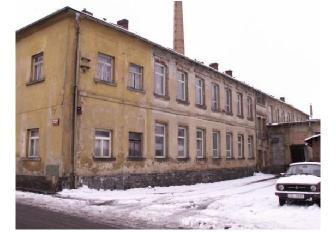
297,153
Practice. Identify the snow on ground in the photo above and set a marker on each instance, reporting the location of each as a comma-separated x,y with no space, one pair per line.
246,203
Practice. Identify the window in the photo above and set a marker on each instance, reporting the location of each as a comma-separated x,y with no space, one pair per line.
134,144
159,79
199,89
240,146
182,142
200,143
33,143
215,144
104,68
270,114
135,76
229,145
250,146
228,103
283,116
102,144
240,104
160,140
181,86
215,97
249,108
278,115
37,67
288,117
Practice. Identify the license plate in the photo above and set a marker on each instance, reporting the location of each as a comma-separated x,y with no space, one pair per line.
295,195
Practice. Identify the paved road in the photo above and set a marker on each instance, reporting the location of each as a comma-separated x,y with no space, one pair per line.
31,217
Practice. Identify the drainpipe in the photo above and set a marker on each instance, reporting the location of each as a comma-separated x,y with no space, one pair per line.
74,110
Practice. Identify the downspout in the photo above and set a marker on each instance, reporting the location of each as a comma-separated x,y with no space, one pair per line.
73,183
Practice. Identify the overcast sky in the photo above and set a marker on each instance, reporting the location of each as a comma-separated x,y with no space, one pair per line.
271,45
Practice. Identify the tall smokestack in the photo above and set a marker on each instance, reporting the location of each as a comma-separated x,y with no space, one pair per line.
311,111
178,28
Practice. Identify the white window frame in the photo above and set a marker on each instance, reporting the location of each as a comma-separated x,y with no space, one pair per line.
250,144
216,150
160,78
33,140
164,139
215,97
199,84
240,145
184,138
103,66
181,81
229,146
228,95
202,142
239,104
37,66
101,139
133,75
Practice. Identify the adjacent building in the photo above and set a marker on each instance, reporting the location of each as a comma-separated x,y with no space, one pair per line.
101,106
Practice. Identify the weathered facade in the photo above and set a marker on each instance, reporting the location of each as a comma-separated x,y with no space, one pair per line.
101,106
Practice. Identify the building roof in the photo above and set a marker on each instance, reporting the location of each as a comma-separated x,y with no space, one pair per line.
119,28
312,137
294,123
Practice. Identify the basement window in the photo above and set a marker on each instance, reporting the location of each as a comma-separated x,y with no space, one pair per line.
103,143
33,143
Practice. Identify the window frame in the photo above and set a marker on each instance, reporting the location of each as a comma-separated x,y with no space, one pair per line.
218,149
164,79
34,67
139,141
228,101
200,90
240,146
240,111
132,75
101,150
164,135
100,69
249,108
215,99
185,142
202,139
229,149
184,84
250,145
36,152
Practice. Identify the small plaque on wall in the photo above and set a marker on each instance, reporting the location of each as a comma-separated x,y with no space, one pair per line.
55,122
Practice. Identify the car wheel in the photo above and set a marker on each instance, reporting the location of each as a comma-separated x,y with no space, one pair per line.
282,201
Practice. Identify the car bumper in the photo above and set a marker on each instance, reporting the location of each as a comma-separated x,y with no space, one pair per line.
305,195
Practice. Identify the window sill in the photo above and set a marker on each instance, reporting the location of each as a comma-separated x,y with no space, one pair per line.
183,159
230,158
161,159
241,158
98,81
240,116
136,90
216,158
216,110
201,158
183,102
35,82
133,158
163,97
201,106
103,159
37,159
251,158
229,113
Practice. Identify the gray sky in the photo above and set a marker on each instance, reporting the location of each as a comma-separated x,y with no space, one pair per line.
271,45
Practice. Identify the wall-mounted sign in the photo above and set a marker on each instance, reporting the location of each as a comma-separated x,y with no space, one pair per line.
55,122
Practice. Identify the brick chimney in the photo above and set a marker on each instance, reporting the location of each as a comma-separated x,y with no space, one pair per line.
178,27
123,23
282,99
214,65
228,72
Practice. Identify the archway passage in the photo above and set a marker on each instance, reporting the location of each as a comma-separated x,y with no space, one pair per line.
297,153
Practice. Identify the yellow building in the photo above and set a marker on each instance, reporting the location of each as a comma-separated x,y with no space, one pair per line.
102,106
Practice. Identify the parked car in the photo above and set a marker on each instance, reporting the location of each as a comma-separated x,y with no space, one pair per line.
301,182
